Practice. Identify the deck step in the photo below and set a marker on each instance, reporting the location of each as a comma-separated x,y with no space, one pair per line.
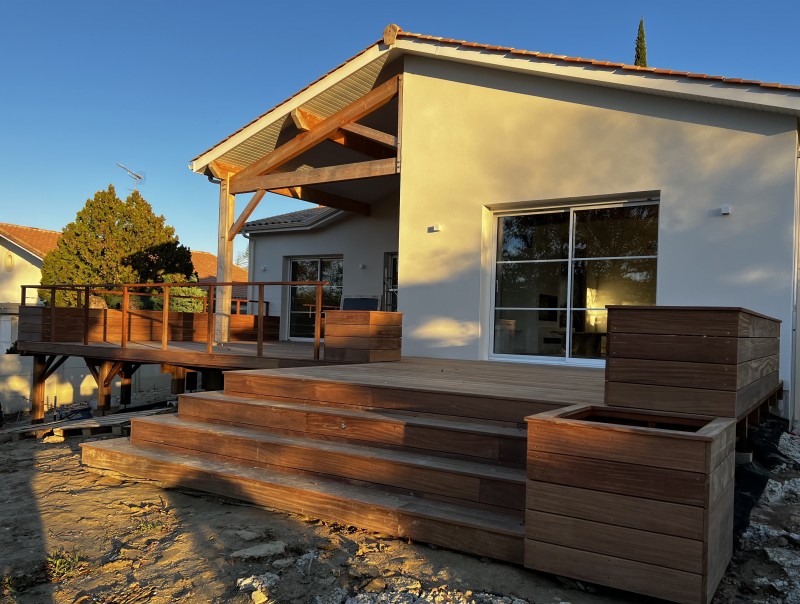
479,532
485,403
478,441
464,482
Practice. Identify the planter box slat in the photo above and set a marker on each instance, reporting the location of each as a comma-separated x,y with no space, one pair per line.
631,498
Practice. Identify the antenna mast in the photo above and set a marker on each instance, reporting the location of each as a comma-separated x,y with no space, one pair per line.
134,176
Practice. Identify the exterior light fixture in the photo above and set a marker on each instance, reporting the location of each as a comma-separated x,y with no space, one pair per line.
9,262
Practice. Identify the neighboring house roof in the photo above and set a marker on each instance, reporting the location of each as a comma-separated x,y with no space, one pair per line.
205,265
359,74
36,241
301,220
41,241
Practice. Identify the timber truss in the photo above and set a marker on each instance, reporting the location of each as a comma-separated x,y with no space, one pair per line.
268,174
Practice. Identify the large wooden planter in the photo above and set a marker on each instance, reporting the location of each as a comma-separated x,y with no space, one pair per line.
721,362
636,500
363,336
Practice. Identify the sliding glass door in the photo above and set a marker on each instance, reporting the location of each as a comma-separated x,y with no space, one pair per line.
303,298
556,271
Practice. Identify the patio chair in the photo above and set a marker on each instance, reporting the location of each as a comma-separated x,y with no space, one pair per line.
360,303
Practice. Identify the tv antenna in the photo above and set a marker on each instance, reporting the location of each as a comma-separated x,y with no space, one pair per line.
137,178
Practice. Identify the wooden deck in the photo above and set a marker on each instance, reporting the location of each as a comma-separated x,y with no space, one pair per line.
231,355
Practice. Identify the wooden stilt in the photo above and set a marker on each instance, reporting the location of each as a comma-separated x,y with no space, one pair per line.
227,206
213,380
104,377
126,382
38,380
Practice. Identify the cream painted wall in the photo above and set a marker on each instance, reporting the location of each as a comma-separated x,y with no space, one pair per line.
72,383
358,239
475,137
25,270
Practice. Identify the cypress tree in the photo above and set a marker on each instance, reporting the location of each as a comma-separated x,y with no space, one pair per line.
640,57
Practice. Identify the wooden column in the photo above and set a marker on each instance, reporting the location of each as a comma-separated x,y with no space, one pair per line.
126,382
104,376
43,368
227,207
38,380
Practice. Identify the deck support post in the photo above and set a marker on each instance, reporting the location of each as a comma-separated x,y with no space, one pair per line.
126,382
43,368
212,379
38,380
227,207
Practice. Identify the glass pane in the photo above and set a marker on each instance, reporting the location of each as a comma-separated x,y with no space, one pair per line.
597,283
301,325
589,334
530,332
331,297
304,297
305,270
533,237
331,271
609,232
532,285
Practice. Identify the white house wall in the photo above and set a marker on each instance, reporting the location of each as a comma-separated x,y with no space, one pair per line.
22,269
360,240
474,137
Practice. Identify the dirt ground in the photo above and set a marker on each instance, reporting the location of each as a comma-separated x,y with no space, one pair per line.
68,535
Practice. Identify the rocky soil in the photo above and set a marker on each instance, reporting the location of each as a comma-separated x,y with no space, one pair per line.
68,535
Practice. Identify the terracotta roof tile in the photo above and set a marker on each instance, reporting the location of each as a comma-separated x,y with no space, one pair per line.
37,241
595,63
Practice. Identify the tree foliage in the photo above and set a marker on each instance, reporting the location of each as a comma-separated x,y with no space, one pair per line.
113,242
640,56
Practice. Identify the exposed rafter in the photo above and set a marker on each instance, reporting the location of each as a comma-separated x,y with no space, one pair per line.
251,205
315,176
371,101
325,199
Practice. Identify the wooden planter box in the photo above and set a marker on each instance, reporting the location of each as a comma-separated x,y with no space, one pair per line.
636,500
363,336
720,362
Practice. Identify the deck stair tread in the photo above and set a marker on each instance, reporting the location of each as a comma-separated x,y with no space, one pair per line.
399,417
421,460
478,531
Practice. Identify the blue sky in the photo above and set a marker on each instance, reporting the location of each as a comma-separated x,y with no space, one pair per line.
151,84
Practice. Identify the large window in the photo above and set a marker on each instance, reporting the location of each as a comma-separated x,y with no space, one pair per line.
303,298
557,270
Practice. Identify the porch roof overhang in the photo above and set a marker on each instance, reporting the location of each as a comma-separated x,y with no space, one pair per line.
358,75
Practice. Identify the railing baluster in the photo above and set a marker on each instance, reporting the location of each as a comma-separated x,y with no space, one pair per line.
210,325
86,316
125,302
52,314
317,322
165,318
260,325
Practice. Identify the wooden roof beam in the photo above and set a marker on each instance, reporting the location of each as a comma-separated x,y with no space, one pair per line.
248,209
325,199
316,176
364,135
371,101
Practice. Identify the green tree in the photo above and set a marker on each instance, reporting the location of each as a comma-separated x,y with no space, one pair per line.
113,242
640,56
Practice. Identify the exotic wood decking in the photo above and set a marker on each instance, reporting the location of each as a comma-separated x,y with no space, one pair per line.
427,449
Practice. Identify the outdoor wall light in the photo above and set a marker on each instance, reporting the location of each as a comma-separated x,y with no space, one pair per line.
9,262
435,228
725,210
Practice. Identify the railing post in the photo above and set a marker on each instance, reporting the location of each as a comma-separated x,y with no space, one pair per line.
125,302
260,323
318,322
86,316
52,314
24,298
210,326
165,318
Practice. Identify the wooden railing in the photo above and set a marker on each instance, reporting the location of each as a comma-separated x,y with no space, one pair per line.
78,317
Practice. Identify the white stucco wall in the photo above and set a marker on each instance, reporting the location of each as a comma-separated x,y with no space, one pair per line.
71,383
360,240
515,139
25,269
